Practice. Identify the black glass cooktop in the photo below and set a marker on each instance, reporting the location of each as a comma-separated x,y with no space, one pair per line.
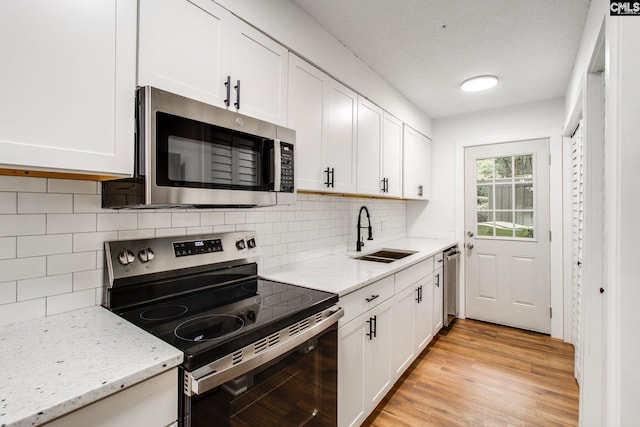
210,324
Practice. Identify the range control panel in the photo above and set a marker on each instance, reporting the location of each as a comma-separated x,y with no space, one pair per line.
197,247
129,258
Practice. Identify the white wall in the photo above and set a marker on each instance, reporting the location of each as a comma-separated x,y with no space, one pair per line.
291,26
52,235
443,215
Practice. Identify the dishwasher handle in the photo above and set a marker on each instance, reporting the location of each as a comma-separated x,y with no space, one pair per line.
453,256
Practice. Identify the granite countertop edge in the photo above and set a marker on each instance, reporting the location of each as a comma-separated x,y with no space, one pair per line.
38,388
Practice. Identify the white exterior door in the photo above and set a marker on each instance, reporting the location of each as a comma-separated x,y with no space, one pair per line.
507,234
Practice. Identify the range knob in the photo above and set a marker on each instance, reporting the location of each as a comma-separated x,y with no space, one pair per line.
126,257
146,255
251,243
240,244
251,315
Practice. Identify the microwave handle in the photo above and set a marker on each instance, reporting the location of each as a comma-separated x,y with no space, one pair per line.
277,165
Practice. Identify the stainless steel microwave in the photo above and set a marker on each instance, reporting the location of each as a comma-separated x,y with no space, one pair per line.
189,153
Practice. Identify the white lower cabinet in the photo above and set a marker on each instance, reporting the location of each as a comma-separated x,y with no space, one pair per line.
413,314
385,327
365,351
151,403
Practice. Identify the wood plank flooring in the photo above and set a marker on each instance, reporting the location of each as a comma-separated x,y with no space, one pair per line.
480,374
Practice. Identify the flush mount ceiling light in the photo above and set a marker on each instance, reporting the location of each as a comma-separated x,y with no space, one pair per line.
478,83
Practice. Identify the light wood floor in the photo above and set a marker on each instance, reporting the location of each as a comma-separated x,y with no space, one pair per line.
480,374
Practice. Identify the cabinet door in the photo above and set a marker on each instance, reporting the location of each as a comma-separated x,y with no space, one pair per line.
340,142
378,354
183,49
438,300
417,165
351,371
424,315
404,306
368,151
261,66
68,85
306,104
392,155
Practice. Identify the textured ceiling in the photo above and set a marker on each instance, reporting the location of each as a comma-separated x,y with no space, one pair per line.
426,48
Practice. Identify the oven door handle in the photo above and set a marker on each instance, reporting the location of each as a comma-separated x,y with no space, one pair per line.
254,355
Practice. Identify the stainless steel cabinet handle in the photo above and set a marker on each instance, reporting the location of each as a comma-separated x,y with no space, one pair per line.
420,190
438,280
372,297
237,88
227,101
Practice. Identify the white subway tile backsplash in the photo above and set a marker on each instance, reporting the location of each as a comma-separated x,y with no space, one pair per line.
71,301
7,292
212,218
63,222
44,203
90,279
117,221
136,234
22,225
72,186
8,247
44,286
44,245
69,263
70,223
168,232
8,203
154,220
20,311
233,217
185,219
83,242
88,203
23,184
22,268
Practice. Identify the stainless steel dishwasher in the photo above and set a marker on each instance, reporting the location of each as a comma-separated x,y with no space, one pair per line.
451,257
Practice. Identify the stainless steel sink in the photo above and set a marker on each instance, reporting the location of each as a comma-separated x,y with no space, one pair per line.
386,255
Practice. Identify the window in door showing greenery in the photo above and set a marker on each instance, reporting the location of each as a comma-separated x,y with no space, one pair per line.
505,197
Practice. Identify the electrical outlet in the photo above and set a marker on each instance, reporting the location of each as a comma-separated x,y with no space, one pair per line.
451,226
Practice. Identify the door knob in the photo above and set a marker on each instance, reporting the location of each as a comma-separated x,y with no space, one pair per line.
469,245
470,233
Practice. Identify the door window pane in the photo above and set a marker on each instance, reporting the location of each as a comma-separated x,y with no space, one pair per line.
504,224
484,199
484,170
523,166
503,168
524,196
505,197
485,224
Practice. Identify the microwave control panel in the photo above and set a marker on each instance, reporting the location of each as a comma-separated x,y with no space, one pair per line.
286,167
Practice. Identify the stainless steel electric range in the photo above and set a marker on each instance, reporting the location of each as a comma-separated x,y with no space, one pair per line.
256,352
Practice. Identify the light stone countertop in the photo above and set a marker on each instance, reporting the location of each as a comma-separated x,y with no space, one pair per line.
55,365
342,274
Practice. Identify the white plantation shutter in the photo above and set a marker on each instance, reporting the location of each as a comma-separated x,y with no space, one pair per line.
577,251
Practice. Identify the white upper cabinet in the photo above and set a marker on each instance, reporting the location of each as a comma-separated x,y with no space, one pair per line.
183,48
68,86
259,68
391,159
323,113
199,50
370,119
417,165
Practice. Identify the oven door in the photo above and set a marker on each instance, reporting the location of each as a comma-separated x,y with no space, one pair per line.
296,388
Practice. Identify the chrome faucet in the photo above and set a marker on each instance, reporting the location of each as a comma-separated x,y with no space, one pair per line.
360,243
